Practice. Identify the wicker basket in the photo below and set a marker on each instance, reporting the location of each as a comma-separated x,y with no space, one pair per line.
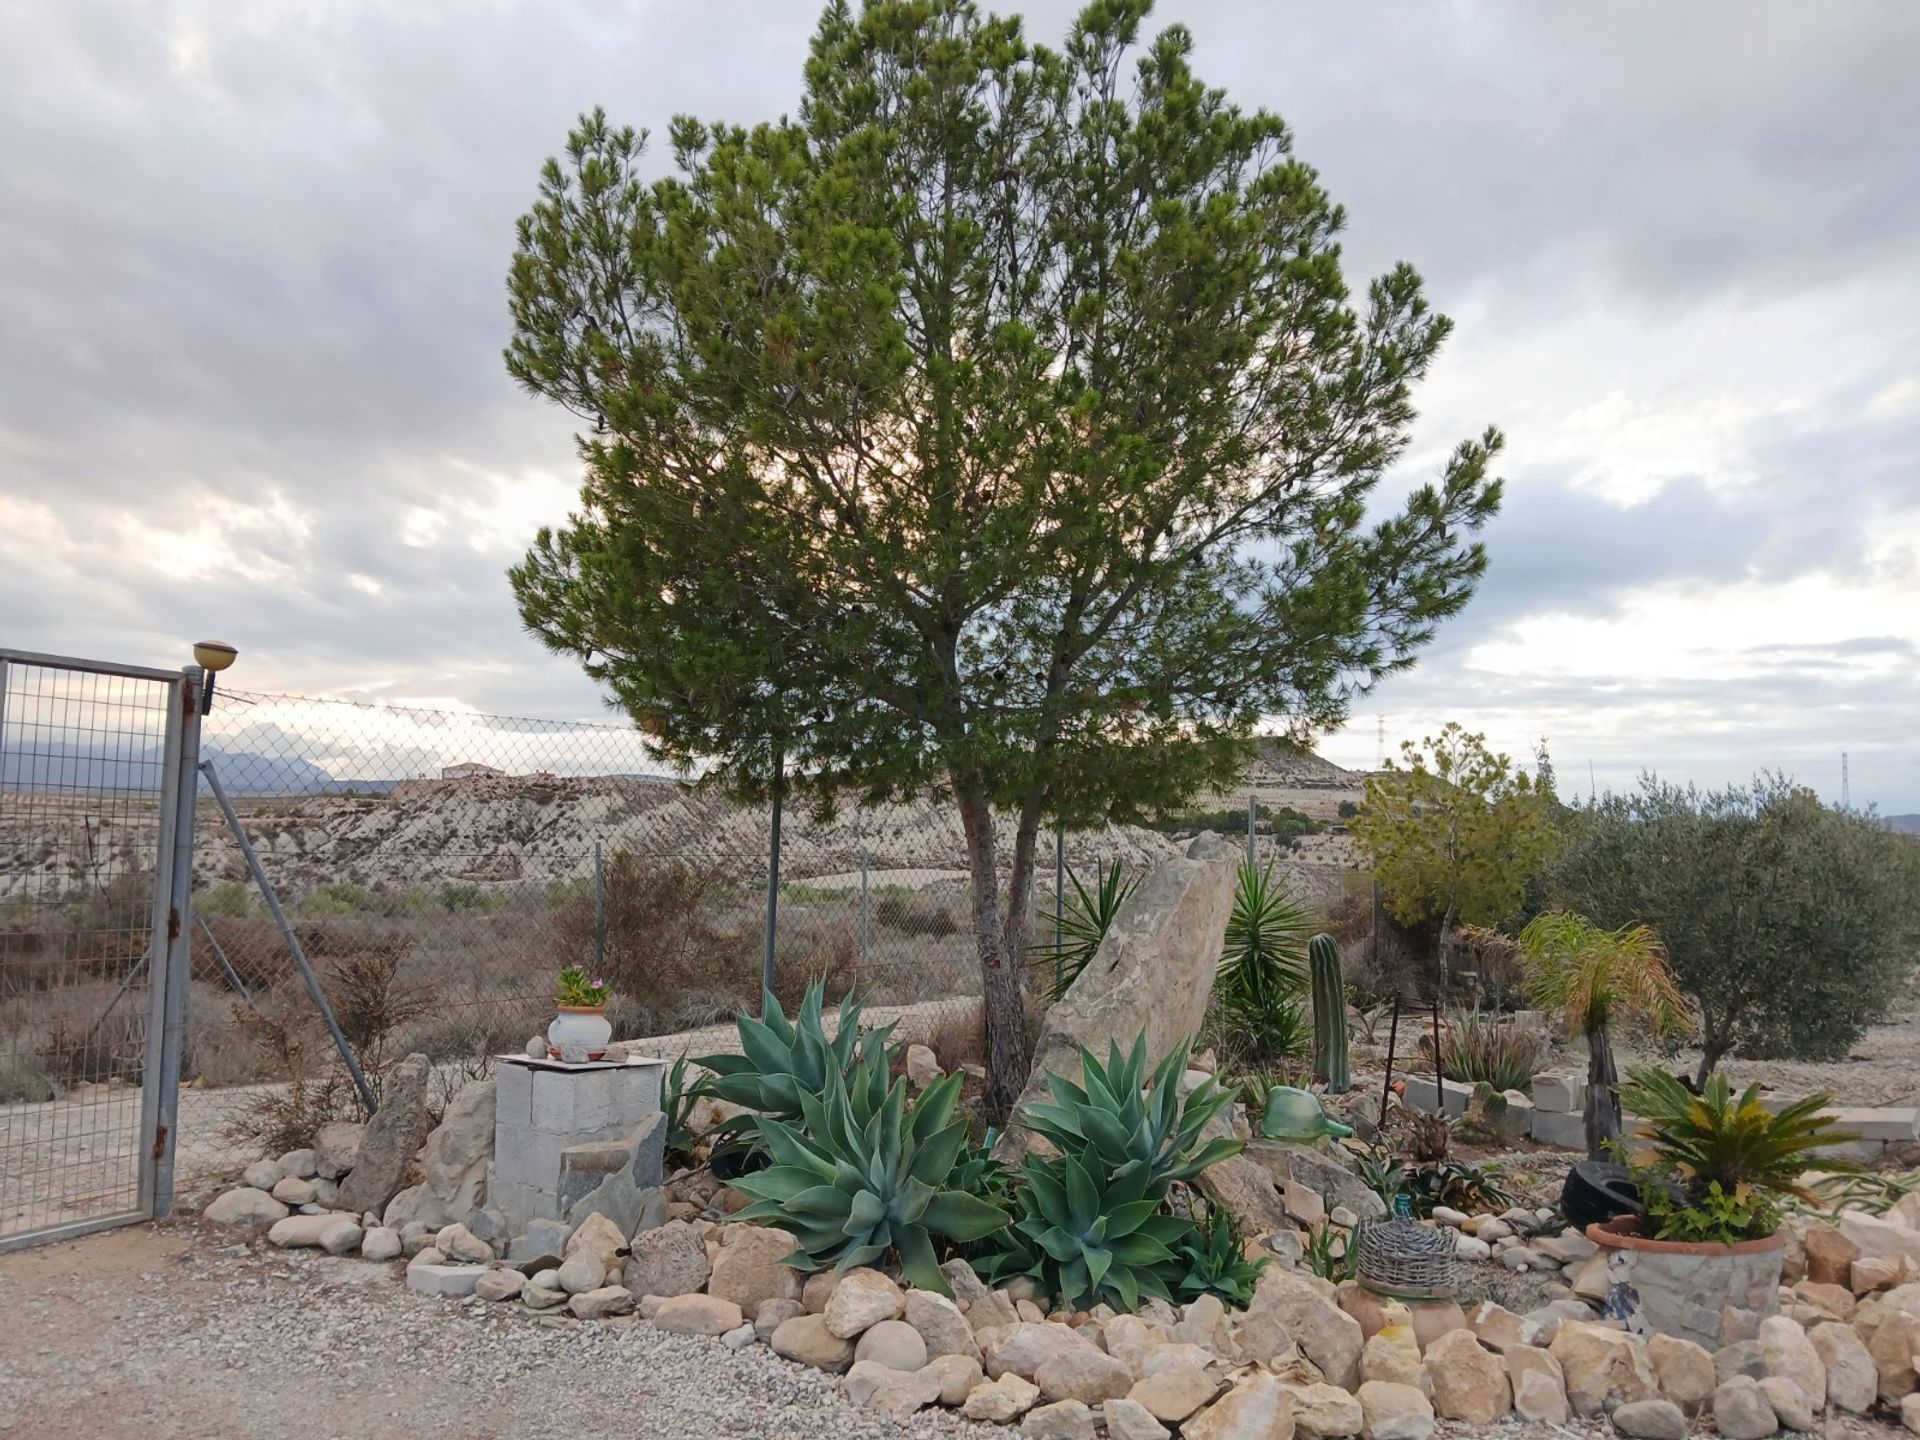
1405,1259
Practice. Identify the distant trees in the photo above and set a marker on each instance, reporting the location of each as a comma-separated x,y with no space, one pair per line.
1791,925
1452,834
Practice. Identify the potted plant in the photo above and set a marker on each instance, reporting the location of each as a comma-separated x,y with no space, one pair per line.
581,1030
1703,1263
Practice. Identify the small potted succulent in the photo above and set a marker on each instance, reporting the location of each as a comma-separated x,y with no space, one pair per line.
581,1030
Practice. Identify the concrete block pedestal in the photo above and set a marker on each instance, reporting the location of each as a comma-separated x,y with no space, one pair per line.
572,1138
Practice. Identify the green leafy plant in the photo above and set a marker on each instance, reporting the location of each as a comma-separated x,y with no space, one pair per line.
677,1096
1734,1161
1458,1185
1476,1048
1091,1222
1083,925
1382,1174
782,1062
1330,1253
577,990
1856,1190
1216,1262
1263,968
1329,1014
853,1192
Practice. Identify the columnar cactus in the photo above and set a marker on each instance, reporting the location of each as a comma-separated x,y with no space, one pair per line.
1329,1014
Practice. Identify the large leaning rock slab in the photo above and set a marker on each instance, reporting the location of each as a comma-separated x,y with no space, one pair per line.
1152,973
454,1165
392,1138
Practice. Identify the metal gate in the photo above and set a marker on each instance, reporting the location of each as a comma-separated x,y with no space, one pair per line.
96,826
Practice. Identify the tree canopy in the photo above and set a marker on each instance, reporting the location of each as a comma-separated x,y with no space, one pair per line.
1000,427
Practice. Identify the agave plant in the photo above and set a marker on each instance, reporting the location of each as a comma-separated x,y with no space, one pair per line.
677,1095
1217,1264
1131,1122
782,1062
853,1191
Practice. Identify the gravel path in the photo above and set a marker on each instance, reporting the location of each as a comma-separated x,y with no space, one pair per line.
163,1331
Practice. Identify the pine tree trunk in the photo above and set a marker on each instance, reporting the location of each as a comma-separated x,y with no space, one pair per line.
1005,1000
1603,1104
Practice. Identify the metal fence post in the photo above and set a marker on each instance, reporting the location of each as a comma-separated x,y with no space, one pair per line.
1059,904
773,873
599,913
174,975
863,905
1253,812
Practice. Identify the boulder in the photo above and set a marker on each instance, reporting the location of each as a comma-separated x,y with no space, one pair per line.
1740,1358
453,1166
894,1344
380,1243
1741,1410
862,1299
500,1283
1853,1382
1000,1401
923,1066
941,1325
1788,1353
1830,1255
772,1314
541,1297
956,1375
1789,1403
299,1164
1021,1348
1498,1328
1173,1395
1082,1373
1257,1408
292,1190
668,1260
748,1270
1604,1368
1684,1371
582,1271
1910,1413
1151,975
605,1301
342,1236
1062,1420
602,1237
298,1232
1539,1388
262,1175
1324,1412
698,1315
1394,1412
1306,1312
1129,1420
246,1206
1872,1238
416,1205
1651,1420
817,1289
1893,1344
1129,1338
806,1340
391,1139
457,1242
1469,1380
336,1147
1391,1363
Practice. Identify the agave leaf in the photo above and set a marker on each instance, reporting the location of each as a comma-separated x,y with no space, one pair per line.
962,1217
933,1158
918,1261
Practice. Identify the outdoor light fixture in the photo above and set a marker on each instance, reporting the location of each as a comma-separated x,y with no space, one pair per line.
212,656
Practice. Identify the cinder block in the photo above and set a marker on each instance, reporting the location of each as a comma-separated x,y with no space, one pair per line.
1421,1095
575,1103
444,1279
513,1094
1557,1127
1863,1152
529,1157
1884,1123
1559,1093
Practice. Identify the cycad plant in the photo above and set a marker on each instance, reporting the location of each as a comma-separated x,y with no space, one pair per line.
854,1191
1597,978
1734,1159
1263,967
1084,921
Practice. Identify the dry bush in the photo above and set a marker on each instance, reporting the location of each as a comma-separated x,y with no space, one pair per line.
277,1118
916,913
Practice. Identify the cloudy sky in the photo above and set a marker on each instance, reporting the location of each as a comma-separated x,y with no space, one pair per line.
252,303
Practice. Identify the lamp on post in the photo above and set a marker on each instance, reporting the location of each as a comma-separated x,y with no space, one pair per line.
212,656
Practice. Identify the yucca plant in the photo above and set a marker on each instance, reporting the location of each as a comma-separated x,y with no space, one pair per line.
782,1062
1263,967
1734,1159
1217,1264
1085,919
1597,977
1131,1121
853,1192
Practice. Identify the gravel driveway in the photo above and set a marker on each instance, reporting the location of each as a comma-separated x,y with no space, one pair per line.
161,1331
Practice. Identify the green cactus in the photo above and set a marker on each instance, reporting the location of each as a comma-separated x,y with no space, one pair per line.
1329,1014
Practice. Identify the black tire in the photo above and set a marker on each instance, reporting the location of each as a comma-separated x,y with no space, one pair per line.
1598,1190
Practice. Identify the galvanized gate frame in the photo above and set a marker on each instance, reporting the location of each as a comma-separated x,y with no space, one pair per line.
169,948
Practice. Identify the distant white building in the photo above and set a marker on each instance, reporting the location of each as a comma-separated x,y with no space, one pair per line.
471,770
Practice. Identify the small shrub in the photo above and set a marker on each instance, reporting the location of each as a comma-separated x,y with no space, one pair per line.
1477,1048
1347,810
231,897
464,898
335,898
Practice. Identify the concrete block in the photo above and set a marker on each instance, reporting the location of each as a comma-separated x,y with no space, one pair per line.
1559,1093
1884,1123
1421,1095
522,1204
513,1094
444,1279
574,1103
1861,1152
528,1157
1556,1127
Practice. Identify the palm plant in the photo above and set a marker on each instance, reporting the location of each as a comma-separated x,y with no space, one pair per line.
1263,968
1597,977
1733,1158
1084,922
853,1191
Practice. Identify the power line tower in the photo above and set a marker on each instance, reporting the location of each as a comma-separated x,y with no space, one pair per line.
1846,793
1380,742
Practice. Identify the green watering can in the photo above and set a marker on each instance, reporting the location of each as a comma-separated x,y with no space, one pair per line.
1294,1114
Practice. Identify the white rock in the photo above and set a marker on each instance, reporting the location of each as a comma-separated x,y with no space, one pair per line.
299,1164
582,1272
342,1236
263,1174
861,1300
380,1243
294,1190
1471,1247
245,1206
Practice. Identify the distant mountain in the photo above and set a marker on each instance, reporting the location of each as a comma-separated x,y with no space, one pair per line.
78,769
1905,824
